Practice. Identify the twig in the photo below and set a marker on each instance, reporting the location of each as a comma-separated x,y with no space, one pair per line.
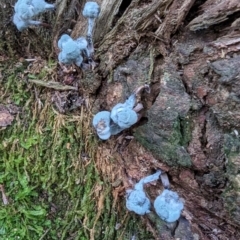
54,85
42,237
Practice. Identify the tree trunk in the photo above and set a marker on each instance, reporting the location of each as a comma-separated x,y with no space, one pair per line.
188,52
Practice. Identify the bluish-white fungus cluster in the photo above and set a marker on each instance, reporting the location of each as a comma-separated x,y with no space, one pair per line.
137,201
74,51
168,206
26,10
121,117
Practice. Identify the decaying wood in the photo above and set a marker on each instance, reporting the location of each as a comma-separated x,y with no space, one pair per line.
109,12
235,25
214,12
229,43
149,12
128,28
174,18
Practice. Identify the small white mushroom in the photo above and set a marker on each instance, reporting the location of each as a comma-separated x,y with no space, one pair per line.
91,11
25,10
168,206
137,201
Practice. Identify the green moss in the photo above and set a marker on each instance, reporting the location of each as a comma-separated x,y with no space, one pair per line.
169,149
230,195
186,131
50,187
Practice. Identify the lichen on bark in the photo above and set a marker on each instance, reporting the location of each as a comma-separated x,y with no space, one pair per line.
231,194
163,133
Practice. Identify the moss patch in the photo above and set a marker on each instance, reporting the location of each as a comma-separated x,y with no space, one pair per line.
230,195
169,149
48,170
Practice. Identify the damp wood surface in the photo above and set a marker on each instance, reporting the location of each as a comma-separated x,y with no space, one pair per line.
61,181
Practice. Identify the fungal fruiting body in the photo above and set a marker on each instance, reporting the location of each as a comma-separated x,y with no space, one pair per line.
130,102
30,8
137,201
40,6
115,129
123,114
91,11
70,51
63,39
101,122
83,45
73,51
25,10
23,24
123,117
168,206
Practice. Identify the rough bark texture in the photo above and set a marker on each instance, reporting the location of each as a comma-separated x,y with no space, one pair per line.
188,51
